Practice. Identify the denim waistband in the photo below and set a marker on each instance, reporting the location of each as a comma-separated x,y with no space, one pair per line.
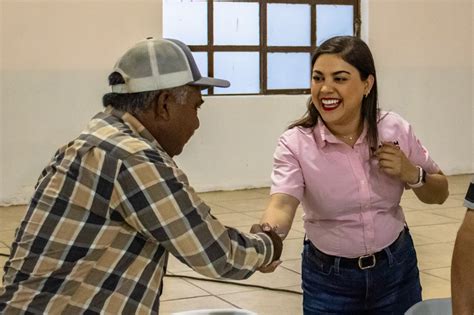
363,262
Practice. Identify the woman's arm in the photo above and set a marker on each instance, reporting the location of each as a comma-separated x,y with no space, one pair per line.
394,162
280,213
435,189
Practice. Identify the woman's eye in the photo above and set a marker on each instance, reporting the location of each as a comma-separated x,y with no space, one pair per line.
340,79
318,79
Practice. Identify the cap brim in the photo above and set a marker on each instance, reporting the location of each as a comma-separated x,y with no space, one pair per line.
209,82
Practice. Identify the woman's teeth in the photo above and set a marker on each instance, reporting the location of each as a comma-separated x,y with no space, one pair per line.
329,104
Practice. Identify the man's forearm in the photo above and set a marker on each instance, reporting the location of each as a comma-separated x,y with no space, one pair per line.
462,268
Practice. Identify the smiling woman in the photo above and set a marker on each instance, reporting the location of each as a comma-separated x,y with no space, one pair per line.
337,91
344,65
347,162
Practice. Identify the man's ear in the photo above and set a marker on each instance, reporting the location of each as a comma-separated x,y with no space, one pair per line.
161,106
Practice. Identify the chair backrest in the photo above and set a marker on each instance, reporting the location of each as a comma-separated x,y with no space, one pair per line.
431,307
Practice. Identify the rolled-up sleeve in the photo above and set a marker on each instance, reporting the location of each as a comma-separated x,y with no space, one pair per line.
287,176
418,154
156,200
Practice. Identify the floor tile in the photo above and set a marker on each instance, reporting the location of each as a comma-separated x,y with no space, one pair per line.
175,266
299,215
267,302
3,260
292,249
443,273
236,219
408,194
434,287
255,214
218,287
9,224
244,205
458,184
296,288
230,195
415,204
292,264
175,288
298,226
13,211
417,218
439,232
455,213
215,209
6,238
197,303
422,240
458,196
295,234
434,256
282,277
264,191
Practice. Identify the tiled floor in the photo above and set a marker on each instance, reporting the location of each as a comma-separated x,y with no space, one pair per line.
433,228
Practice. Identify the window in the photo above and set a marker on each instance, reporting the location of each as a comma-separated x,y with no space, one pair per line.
261,47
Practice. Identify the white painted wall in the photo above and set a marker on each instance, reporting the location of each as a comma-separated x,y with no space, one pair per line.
423,50
56,55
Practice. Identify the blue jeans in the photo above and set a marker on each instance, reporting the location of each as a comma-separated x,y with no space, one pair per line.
341,287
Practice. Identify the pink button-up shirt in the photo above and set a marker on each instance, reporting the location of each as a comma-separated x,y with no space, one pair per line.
351,208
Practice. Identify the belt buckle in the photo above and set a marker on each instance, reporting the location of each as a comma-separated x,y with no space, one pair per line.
361,266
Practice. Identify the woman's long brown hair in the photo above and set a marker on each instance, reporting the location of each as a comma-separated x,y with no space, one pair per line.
355,52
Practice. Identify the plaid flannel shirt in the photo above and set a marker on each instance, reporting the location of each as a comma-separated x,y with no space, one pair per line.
106,212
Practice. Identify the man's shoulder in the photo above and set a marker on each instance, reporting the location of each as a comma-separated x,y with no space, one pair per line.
111,134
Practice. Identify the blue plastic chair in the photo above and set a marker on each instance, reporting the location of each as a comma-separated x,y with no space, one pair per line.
431,307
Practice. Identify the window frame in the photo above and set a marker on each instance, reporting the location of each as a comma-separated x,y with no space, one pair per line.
263,49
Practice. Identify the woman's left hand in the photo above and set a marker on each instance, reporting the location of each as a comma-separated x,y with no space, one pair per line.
394,162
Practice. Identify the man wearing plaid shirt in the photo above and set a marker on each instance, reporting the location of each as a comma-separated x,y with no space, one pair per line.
112,204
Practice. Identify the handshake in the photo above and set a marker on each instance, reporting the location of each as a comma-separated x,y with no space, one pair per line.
277,245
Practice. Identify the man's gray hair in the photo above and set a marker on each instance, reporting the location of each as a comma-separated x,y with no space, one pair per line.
136,103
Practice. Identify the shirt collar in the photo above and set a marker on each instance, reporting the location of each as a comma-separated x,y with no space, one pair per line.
134,124
324,136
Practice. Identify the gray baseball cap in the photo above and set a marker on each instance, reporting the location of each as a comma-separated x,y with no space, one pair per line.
157,64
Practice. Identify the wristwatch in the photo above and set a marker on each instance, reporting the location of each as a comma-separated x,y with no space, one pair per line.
421,178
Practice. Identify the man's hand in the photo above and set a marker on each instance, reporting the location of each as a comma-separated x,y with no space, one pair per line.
277,245
394,162
270,268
